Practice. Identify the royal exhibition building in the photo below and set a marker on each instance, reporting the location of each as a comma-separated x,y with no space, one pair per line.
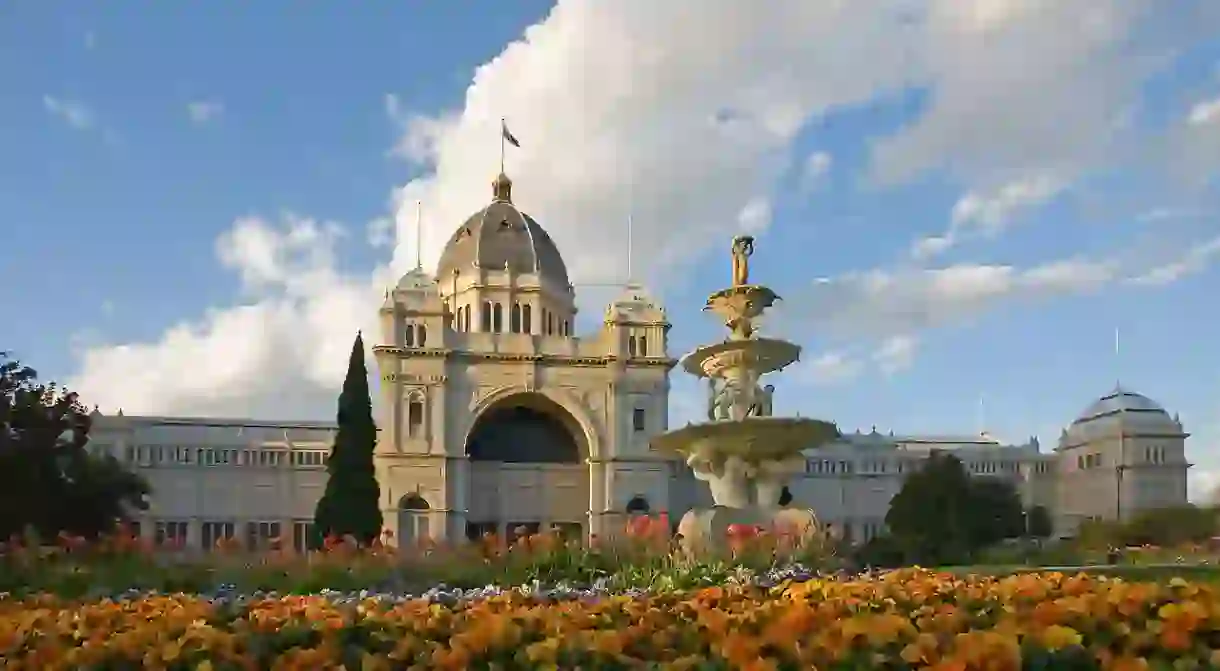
495,415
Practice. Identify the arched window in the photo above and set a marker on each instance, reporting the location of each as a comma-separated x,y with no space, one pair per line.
527,325
408,335
457,319
486,317
413,520
466,310
415,417
497,318
514,318
631,346
638,505
422,340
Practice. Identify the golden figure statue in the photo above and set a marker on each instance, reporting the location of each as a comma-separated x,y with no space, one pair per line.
743,247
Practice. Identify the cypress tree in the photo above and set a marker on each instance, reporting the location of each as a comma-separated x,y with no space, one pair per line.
351,503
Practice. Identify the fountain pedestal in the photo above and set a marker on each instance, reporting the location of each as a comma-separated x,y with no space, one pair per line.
744,453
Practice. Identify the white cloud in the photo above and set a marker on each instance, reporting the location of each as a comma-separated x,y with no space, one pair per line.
755,216
832,368
906,301
693,115
816,166
896,354
1192,261
989,212
1205,112
203,111
73,113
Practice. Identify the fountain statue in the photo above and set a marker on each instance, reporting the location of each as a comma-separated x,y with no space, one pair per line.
743,452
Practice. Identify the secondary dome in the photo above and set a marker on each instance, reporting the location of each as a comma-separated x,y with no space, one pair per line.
500,236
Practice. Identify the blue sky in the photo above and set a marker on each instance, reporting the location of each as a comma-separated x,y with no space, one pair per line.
202,202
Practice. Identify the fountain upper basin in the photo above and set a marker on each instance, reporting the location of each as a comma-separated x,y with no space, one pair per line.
759,355
752,439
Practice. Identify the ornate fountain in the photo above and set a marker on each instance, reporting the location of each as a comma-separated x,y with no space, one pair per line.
744,453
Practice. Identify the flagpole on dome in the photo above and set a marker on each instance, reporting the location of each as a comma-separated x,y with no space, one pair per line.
506,137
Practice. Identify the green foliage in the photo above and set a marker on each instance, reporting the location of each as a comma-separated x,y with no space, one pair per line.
1175,525
943,516
1039,523
350,505
49,482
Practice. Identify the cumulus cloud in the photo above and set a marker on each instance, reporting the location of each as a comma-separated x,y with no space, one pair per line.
202,111
75,114
694,115
989,212
831,368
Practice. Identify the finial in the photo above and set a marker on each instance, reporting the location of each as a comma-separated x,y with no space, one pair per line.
502,189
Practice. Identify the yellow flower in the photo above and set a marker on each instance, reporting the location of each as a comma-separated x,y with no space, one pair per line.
1057,637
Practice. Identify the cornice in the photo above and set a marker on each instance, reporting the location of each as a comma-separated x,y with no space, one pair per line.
509,357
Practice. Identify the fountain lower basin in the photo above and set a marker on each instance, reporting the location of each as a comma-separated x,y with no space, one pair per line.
753,439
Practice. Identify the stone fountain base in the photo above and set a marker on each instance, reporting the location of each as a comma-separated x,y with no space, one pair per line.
706,530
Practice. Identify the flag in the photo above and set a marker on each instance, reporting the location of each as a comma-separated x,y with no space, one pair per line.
507,135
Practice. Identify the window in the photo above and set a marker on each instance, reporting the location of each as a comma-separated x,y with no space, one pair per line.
423,335
302,536
527,325
514,318
486,317
631,346
643,348
637,419
171,532
212,533
261,535
550,322
415,417
466,314
497,318
408,336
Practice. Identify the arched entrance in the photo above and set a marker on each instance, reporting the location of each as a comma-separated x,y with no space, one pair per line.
414,520
527,468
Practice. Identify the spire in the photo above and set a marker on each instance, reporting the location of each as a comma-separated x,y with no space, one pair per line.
419,234
502,189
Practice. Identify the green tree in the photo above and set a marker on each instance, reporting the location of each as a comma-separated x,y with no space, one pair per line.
49,481
1038,522
996,512
929,516
350,505
942,515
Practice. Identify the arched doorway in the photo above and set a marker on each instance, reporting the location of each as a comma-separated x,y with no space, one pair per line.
414,520
527,468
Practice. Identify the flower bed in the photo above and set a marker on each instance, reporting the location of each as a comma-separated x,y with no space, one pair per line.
900,620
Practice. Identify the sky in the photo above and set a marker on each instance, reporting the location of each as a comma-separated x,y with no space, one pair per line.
979,215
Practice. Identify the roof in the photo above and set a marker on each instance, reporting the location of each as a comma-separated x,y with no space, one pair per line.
1120,401
500,236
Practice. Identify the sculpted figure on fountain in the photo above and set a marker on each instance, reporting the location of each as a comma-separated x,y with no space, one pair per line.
761,405
743,248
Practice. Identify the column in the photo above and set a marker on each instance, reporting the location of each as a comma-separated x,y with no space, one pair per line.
597,496
458,469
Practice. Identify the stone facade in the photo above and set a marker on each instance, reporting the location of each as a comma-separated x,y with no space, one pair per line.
495,415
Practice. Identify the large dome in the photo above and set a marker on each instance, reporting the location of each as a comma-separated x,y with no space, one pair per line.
500,236
1121,401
